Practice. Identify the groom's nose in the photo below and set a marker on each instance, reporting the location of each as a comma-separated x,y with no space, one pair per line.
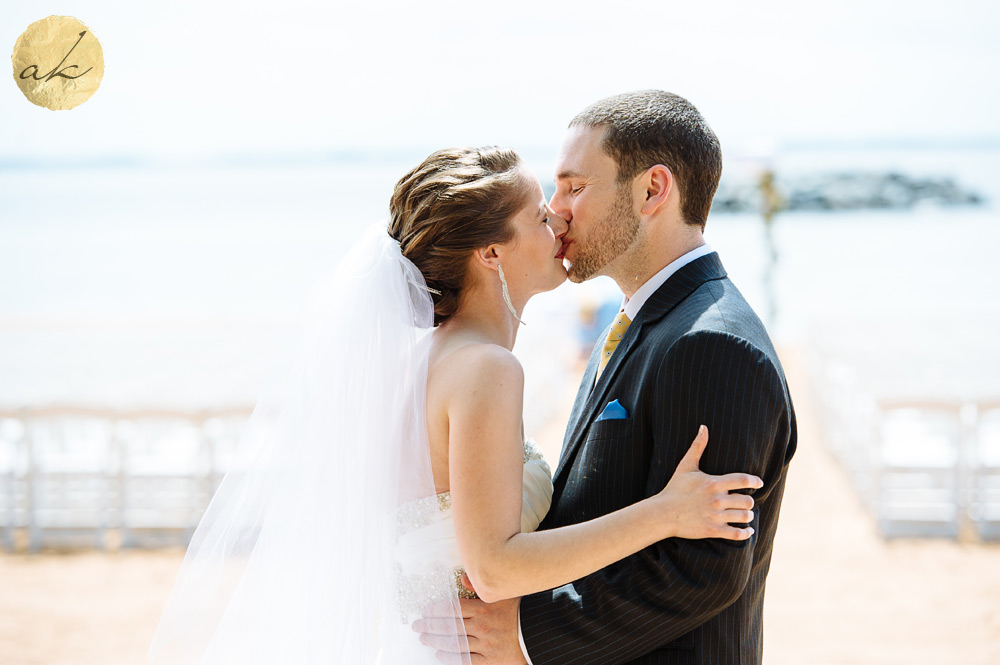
557,223
559,204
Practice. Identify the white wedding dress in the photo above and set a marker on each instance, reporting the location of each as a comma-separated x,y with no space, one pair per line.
325,539
428,544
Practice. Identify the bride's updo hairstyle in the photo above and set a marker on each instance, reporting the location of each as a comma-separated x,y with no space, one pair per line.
455,202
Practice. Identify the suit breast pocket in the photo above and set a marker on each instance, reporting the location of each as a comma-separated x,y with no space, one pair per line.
611,467
610,429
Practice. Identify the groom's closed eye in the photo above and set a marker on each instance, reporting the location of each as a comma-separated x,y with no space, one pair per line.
573,187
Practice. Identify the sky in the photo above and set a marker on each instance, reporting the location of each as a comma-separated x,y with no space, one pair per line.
204,77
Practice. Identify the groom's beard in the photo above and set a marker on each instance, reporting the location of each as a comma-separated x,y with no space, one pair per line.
607,240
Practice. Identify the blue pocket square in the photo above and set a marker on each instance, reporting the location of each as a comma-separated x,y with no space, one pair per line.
613,411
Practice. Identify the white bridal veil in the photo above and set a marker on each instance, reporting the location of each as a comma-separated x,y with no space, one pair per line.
295,561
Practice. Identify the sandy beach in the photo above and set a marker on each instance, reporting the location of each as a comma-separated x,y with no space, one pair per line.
837,594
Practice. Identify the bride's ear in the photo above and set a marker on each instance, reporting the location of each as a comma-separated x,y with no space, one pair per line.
488,257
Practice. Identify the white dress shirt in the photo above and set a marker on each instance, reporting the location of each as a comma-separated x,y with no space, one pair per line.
632,306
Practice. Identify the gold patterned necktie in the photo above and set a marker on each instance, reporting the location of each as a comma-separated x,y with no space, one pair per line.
618,329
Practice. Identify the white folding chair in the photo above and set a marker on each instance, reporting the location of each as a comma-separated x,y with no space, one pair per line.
165,477
984,475
13,478
71,467
916,464
223,429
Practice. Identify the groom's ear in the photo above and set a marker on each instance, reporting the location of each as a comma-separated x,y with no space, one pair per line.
658,183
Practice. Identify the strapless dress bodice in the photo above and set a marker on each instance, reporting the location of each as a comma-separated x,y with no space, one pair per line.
428,563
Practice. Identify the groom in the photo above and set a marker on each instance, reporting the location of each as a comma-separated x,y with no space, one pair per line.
635,180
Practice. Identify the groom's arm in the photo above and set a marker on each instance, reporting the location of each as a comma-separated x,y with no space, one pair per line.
649,599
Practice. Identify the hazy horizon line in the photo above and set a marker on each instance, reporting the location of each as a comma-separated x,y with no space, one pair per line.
378,155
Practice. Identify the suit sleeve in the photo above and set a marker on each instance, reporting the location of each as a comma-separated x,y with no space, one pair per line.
651,598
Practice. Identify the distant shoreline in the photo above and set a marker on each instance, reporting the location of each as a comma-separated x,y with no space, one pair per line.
736,150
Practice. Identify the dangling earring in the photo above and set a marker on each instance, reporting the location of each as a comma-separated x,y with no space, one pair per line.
506,296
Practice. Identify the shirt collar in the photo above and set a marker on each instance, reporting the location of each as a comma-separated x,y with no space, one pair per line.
634,304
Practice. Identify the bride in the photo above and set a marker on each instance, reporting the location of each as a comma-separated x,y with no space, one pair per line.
391,464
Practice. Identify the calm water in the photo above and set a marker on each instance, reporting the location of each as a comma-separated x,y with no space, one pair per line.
173,286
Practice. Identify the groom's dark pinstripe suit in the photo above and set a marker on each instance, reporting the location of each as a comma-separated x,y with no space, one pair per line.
696,353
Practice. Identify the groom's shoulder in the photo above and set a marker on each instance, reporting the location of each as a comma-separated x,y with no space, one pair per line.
717,305
717,312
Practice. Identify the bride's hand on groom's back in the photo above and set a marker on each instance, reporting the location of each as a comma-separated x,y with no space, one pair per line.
698,505
491,629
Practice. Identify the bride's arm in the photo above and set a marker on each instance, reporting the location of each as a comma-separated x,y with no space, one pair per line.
484,406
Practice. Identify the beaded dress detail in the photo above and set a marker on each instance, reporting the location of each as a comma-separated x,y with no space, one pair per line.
429,566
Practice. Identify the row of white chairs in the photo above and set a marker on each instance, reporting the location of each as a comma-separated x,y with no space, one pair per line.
923,467
72,476
77,476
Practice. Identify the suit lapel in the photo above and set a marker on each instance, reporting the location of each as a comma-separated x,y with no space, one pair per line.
680,285
591,397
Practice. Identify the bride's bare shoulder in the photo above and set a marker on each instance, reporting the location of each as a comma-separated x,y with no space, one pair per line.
474,365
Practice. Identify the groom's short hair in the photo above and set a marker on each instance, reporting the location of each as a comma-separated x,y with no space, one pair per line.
651,127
